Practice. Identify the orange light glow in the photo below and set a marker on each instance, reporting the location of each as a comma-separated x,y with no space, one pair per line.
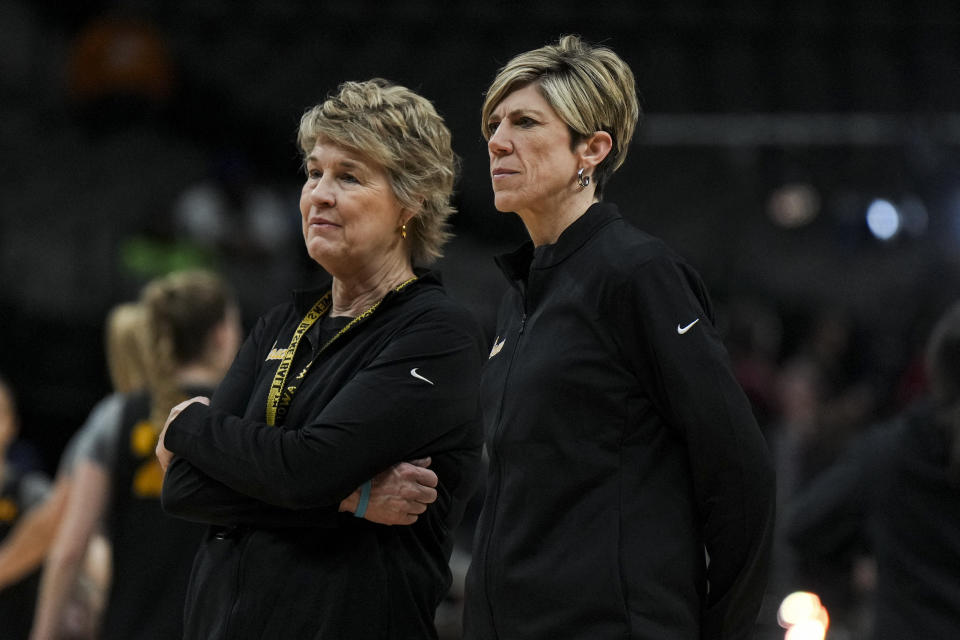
803,616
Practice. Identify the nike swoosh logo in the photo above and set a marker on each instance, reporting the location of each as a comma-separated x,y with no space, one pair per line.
414,373
497,346
683,330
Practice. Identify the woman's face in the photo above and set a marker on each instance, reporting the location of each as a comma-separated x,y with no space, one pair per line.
351,217
531,164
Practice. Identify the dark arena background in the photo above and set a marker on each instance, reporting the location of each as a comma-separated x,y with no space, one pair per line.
801,154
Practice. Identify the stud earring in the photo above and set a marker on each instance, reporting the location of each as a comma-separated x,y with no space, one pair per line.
582,180
403,231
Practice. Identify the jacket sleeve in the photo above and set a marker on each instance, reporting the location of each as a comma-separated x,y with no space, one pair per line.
421,386
191,494
667,333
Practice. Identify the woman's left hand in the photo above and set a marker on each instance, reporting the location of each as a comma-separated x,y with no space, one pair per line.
164,455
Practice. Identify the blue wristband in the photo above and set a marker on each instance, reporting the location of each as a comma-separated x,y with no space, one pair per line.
364,499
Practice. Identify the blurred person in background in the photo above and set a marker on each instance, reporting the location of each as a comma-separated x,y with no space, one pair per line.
630,493
753,335
896,490
20,495
192,333
847,369
800,451
331,390
24,550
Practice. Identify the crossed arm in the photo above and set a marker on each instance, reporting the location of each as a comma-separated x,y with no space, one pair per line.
398,494
229,470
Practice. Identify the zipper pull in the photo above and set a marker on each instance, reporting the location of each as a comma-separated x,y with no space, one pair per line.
523,321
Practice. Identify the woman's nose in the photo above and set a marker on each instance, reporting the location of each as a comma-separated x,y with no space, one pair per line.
322,194
499,143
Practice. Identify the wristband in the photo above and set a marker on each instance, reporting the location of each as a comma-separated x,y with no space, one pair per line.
364,499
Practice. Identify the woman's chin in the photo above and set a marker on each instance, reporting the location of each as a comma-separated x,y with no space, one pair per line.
318,251
504,203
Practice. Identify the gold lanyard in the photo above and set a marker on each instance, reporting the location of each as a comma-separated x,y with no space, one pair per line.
280,394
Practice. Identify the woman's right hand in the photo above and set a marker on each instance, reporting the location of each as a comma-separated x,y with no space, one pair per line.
398,495
164,455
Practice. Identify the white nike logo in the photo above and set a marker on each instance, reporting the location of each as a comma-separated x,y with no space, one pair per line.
497,346
414,373
683,330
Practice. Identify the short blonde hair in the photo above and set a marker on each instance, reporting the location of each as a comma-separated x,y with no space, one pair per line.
401,131
590,87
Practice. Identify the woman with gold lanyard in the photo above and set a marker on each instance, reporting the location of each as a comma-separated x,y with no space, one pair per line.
330,391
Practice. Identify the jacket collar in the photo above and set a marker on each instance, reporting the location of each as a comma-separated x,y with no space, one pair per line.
303,299
517,265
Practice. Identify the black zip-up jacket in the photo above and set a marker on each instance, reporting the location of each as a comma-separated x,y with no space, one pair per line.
281,562
621,450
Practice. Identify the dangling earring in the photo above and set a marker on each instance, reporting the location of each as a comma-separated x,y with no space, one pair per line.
582,180
403,231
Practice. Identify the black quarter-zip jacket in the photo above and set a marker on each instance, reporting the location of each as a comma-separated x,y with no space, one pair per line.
280,561
622,451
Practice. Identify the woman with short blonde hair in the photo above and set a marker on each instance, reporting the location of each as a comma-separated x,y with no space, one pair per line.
401,131
621,446
329,392
589,87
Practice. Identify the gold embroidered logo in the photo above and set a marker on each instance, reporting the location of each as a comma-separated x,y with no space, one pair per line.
276,354
497,346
